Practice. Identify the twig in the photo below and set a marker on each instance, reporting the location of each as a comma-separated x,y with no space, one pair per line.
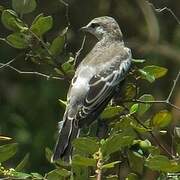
9,62
79,51
32,72
159,10
67,11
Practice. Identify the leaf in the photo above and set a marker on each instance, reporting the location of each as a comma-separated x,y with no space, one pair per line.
41,25
4,138
48,154
58,43
21,175
115,143
18,40
134,108
24,6
87,145
146,75
68,66
11,21
162,119
110,165
136,162
143,107
37,176
129,92
111,111
156,71
132,176
83,161
62,103
7,151
162,163
23,163
59,173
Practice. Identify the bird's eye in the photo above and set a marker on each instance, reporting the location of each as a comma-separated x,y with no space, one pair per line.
94,25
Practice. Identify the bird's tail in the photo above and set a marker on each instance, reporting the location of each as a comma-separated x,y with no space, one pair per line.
67,133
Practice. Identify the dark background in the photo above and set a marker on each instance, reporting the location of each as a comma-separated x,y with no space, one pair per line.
29,108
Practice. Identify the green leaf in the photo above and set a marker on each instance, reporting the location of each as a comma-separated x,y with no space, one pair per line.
132,176
62,103
111,111
87,145
58,43
68,66
57,174
110,165
162,119
23,163
7,151
18,40
136,162
83,161
156,71
41,25
115,143
146,75
48,154
129,92
134,108
162,163
143,107
37,176
21,175
24,6
11,21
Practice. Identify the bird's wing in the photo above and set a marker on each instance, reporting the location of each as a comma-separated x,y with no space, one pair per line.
103,84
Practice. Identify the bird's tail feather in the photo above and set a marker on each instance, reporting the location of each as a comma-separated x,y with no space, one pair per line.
63,148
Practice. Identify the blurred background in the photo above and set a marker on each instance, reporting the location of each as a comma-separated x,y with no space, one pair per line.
29,107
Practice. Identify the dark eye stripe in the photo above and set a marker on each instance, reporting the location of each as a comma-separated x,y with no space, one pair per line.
93,25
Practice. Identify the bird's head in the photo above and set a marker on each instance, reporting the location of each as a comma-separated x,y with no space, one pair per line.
104,26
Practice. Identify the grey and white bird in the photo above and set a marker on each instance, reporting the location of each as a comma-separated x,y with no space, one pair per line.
94,83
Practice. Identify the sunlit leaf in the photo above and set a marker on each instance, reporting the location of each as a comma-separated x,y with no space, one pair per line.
162,119
111,111
62,103
37,176
48,154
156,71
162,163
134,108
21,175
83,161
110,165
87,145
138,60
18,40
58,174
143,107
24,6
11,21
7,151
146,75
42,24
115,143
23,163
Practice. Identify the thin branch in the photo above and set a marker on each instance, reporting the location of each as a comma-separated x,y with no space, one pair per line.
67,11
9,62
32,72
79,51
173,87
159,10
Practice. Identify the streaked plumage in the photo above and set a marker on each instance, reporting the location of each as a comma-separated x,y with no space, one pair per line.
94,82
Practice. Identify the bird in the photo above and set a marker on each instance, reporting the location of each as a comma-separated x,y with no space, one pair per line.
94,83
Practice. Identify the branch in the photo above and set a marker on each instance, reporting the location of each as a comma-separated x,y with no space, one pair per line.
31,72
159,10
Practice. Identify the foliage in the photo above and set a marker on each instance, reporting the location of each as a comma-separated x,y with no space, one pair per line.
129,122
